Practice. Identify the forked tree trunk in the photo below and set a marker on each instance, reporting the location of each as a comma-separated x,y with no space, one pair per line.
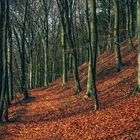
65,9
92,28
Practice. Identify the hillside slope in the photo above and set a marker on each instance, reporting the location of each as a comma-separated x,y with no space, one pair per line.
56,114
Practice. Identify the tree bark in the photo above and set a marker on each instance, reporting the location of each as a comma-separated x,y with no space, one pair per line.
128,11
138,30
117,35
92,29
63,41
46,49
23,75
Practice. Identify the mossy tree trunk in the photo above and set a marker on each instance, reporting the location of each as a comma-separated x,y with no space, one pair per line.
117,35
46,47
92,29
63,41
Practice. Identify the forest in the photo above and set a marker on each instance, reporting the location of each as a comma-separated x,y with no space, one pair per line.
70,69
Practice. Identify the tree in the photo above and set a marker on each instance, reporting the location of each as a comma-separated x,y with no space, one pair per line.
4,92
63,41
1,40
138,30
67,8
109,26
133,17
46,46
117,35
128,16
92,28
23,75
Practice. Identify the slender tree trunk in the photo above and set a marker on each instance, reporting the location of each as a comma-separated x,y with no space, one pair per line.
23,75
133,9
2,44
117,35
9,71
138,30
36,69
124,20
90,65
46,51
109,26
11,64
94,45
31,70
75,72
7,95
4,95
63,41
81,18
2,30
128,24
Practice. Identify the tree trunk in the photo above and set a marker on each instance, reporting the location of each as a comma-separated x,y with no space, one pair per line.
138,30
128,24
4,95
66,11
46,49
133,9
92,29
23,73
1,40
63,41
124,21
109,26
11,64
117,35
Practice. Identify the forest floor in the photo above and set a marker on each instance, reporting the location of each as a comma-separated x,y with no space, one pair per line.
56,114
